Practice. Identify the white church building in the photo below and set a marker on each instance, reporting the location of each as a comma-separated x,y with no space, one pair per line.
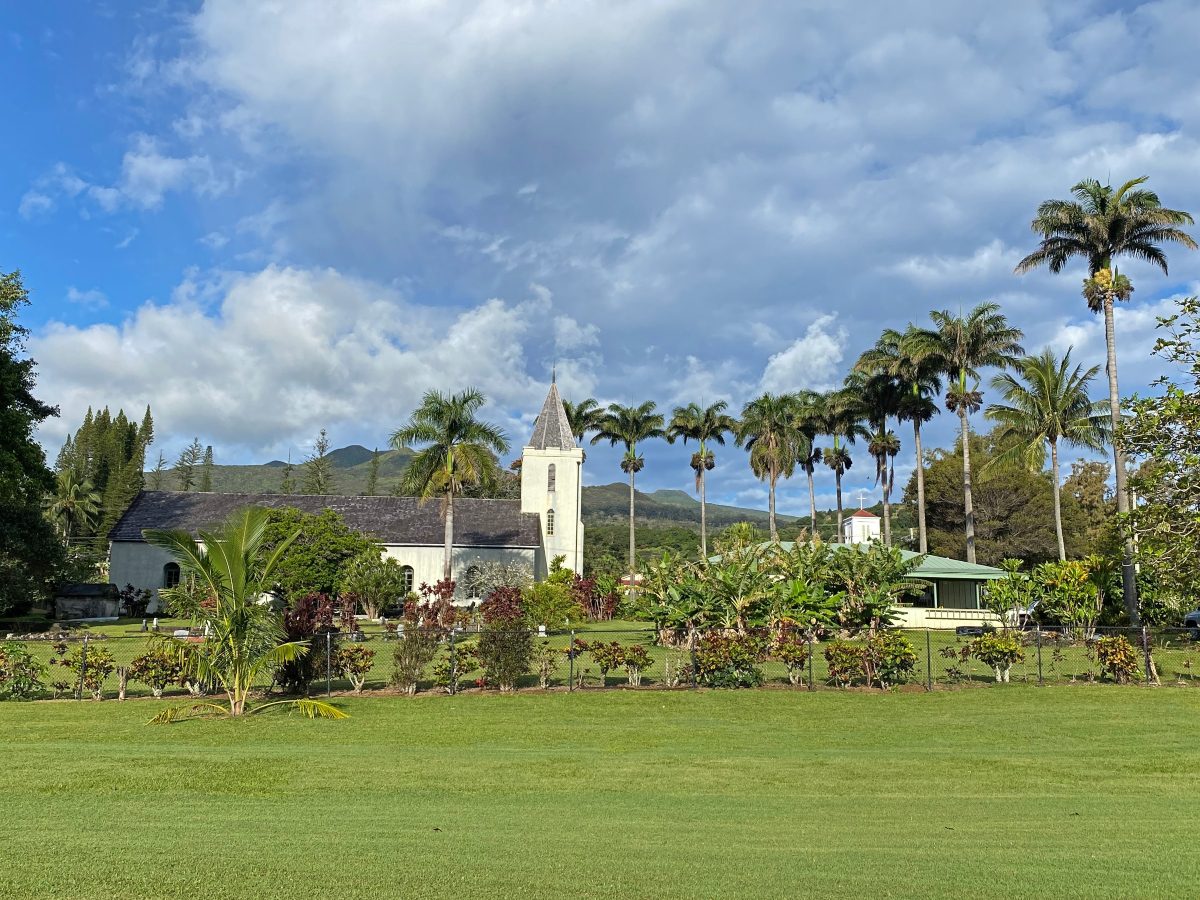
544,523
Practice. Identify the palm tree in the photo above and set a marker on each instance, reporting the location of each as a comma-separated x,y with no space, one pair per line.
461,451
1098,225
808,421
702,425
244,638
584,417
1047,403
627,425
918,383
960,347
75,504
842,421
878,395
768,430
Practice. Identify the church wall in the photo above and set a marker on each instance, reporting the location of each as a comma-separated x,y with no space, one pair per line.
564,499
139,564
427,561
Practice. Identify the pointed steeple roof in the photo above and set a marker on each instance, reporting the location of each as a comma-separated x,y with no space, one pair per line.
552,431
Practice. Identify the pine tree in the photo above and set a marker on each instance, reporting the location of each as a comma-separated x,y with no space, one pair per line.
206,470
159,473
373,475
287,484
146,432
318,468
185,466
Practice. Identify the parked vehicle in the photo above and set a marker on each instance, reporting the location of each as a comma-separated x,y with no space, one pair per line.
1192,623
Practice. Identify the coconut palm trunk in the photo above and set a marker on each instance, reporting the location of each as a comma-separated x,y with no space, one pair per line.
968,497
703,512
887,506
771,504
632,531
448,550
1128,575
922,536
1058,529
812,503
837,477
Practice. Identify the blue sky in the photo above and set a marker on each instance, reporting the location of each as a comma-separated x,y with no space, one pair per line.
268,218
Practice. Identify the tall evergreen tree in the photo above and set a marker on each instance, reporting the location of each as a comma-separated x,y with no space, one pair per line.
206,470
190,457
373,475
318,468
30,551
159,473
287,482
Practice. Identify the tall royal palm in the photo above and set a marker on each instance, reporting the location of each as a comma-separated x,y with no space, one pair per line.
879,396
809,418
1098,225
843,423
768,430
960,346
629,425
1047,404
459,450
584,417
918,383
704,425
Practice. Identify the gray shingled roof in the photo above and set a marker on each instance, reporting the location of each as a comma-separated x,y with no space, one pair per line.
391,520
552,431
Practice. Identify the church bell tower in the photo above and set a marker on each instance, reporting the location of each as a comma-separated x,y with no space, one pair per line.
551,486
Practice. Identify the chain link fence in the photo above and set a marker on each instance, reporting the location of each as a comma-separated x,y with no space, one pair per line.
597,658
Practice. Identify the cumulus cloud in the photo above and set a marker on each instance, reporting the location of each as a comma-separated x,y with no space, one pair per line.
257,363
812,361
89,299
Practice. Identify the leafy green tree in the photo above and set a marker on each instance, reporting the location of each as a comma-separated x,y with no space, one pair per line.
318,468
190,457
959,346
316,561
1047,403
1098,225
768,430
707,425
244,638
30,551
374,581
460,449
628,425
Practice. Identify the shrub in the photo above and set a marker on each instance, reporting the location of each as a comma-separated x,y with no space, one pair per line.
505,642
546,660
636,659
93,669
792,650
608,656
415,649
845,662
354,661
135,601
157,669
21,673
884,659
729,661
454,667
1119,659
998,651
307,618
552,604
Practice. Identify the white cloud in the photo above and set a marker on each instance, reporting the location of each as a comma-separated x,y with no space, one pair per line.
257,363
90,299
813,361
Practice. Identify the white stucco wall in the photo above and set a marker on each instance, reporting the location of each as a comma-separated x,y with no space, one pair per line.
564,500
139,564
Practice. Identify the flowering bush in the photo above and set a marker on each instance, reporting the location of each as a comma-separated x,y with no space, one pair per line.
1118,658
354,661
157,669
729,661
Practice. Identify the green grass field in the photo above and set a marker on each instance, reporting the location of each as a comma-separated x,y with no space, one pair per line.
1015,791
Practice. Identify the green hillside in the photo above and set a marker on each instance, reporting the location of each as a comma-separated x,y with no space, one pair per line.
610,503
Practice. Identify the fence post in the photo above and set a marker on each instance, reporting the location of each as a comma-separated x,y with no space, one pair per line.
692,658
928,660
812,649
328,663
1039,653
82,668
1146,651
453,665
571,663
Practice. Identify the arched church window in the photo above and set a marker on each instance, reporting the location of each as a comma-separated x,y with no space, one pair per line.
549,521
171,575
406,580
550,477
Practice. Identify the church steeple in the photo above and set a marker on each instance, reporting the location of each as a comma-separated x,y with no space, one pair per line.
552,430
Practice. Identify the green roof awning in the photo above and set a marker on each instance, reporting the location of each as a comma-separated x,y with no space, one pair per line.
932,567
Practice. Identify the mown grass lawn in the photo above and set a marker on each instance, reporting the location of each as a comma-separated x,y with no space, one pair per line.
1012,791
